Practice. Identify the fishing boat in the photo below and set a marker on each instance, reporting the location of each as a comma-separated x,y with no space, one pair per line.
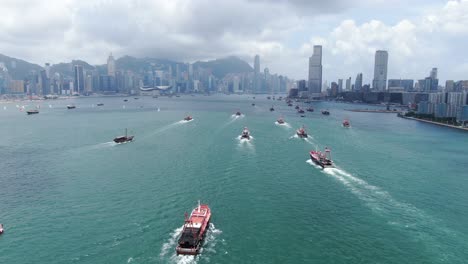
238,113
301,111
310,109
346,123
272,109
71,106
188,118
123,139
280,121
325,112
297,107
289,104
32,112
245,134
302,133
194,230
322,159
1,229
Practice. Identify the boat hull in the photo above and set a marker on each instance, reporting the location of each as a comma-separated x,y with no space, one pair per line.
124,139
314,157
195,248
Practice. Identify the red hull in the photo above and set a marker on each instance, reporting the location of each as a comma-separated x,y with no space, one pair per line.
319,159
194,231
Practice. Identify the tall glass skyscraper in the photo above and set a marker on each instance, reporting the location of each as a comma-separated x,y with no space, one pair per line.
257,80
315,72
380,70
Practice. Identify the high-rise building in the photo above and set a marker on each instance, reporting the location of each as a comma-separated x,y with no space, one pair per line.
111,65
257,81
433,73
358,82
44,82
315,72
403,84
348,84
340,85
449,86
47,69
79,79
380,70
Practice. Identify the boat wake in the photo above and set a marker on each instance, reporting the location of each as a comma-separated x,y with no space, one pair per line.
185,121
283,125
237,116
209,247
403,216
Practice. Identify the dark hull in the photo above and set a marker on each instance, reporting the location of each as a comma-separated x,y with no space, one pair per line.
302,135
123,139
245,137
32,113
322,164
195,250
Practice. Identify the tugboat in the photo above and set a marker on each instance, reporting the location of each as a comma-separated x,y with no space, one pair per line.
71,106
1,229
325,112
322,159
300,111
194,230
272,109
32,112
245,134
123,139
309,109
280,121
302,133
346,123
188,118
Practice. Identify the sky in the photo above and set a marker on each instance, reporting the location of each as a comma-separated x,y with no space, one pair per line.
418,34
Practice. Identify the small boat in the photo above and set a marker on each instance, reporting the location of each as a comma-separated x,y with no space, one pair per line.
123,139
32,112
268,97
309,109
100,104
253,104
297,107
188,118
136,98
302,115
245,134
238,113
322,159
346,123
71,106
125,100
289,104
302,133
301,111
280,121
272,109
1,229
325,112
194,230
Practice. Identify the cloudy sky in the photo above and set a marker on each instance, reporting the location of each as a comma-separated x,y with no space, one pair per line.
418,36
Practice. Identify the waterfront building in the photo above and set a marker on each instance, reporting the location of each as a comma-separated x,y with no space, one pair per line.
380,70
348,84
78,80
111,65
315,72
358,83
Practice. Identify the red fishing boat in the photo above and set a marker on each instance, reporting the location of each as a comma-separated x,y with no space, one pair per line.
322,159
346,123
302,133
194,230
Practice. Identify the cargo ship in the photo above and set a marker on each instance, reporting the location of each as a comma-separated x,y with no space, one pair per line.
322,159
194,230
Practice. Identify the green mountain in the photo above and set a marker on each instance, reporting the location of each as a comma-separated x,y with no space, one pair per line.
221,67
66,69
18,69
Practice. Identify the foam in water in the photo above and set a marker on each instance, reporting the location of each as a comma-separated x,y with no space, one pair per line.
208,247
399,214
285,124
237,117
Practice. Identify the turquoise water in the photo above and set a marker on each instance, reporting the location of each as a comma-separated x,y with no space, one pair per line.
70,195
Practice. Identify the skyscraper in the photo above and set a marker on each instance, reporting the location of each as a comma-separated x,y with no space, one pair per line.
433,73
380,70
257,81
111,65
78,80
358,82
340,85
315,72
348,84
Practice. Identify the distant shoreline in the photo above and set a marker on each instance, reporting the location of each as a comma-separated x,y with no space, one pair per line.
373,111
435,123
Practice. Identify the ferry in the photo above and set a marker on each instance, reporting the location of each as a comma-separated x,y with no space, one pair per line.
245,134
302,133
322,159
325,112
32,112
194,230
346,123
123,139
71,107
188,118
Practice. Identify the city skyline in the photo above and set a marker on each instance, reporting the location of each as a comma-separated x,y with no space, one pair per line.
425,35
